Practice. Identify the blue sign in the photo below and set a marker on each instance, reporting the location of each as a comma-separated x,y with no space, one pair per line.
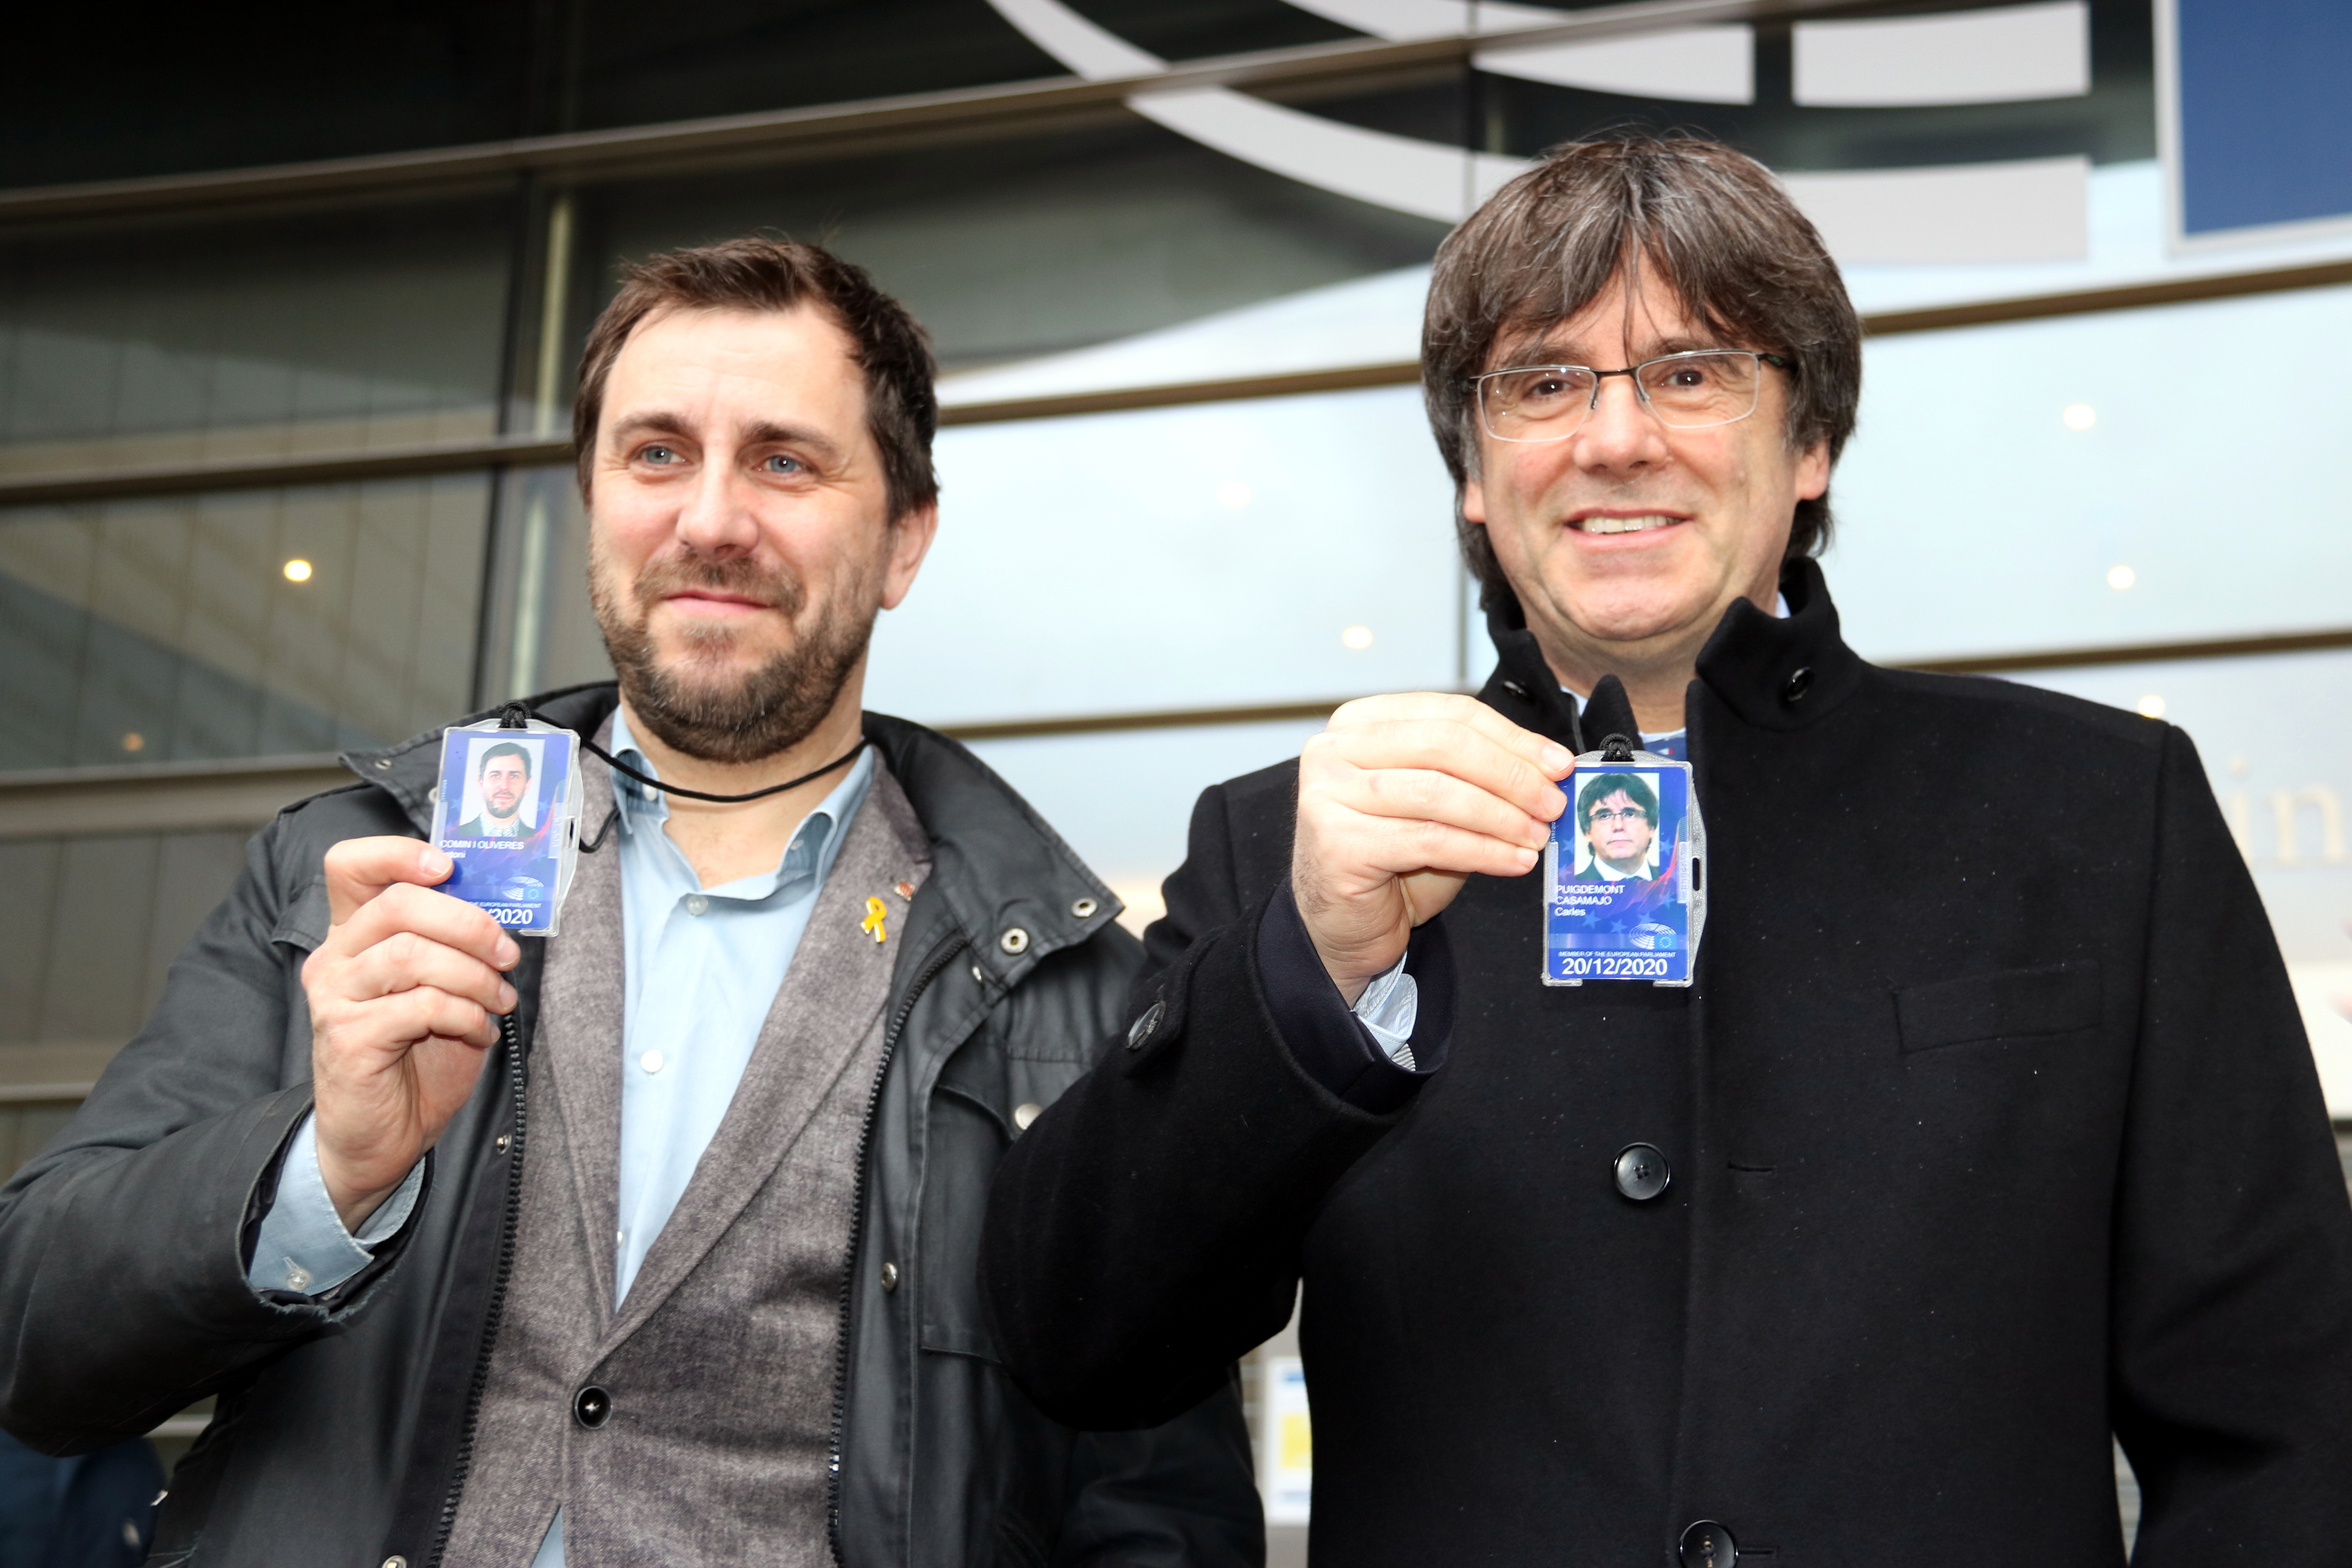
2255,94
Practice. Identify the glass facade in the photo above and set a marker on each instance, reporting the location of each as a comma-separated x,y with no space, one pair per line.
2039,486
281,465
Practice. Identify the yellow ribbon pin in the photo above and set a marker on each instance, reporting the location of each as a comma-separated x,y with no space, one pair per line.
875,911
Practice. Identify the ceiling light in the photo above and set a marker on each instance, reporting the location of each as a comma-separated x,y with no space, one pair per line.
298,570
2121,577
1357,638
2080,416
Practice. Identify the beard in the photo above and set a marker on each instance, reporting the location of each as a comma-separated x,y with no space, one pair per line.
697,703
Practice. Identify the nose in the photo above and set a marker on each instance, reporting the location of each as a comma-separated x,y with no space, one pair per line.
1620,436
715,519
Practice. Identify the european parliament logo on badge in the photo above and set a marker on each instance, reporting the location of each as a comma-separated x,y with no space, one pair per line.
1624,872
507,813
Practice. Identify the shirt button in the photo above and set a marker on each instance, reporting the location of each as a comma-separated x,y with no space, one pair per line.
1642,1172
1023,1115
697,905
890,1278
651,1061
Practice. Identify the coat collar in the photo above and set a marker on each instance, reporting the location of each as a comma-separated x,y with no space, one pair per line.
1774,674
997,865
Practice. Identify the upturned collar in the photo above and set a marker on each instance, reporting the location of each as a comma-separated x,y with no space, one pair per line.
1772,673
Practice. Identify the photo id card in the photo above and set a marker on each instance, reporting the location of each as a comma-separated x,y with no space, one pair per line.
1624,873
507,813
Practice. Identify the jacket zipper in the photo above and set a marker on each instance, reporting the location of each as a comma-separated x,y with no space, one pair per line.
510,1034
948,948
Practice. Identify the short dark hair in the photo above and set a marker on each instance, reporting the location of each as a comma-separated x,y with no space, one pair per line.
762,273
503,748
1713,223
1633,786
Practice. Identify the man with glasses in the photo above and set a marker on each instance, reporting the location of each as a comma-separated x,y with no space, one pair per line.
1620,820
1987,1132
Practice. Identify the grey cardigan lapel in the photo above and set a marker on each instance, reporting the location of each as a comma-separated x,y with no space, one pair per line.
583,1001
831,999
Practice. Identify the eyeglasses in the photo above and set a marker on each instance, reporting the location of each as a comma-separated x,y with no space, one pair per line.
1601,816
1686,392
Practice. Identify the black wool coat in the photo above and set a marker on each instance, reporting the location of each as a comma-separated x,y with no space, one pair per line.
1992,1127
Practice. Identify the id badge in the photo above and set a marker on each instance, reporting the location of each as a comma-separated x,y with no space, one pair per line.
1624,872
507,813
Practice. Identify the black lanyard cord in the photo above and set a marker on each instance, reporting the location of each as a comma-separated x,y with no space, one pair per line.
619,766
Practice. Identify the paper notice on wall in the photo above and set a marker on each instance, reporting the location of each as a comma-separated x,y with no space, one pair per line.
1285,1441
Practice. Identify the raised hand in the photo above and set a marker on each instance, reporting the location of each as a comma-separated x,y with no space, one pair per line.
405,994
1400,800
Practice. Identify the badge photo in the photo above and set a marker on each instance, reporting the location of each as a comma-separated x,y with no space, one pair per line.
507,814
1624,872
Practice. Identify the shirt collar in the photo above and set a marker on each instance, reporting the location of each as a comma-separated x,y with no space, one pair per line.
809,856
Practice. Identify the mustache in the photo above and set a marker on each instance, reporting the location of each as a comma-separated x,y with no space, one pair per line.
742,576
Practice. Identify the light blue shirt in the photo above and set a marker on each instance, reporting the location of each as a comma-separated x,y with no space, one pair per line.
702,969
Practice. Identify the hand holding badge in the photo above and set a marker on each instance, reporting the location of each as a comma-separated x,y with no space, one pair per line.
507,813
1625,884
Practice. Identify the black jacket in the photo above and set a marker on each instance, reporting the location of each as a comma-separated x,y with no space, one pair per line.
343,1430
1992,1123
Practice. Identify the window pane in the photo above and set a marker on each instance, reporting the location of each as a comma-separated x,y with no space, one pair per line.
1277,550
2131,477
1006,250
86,933
157,631
1122,798
251,337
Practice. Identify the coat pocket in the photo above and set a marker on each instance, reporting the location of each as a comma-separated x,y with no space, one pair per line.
2012,1004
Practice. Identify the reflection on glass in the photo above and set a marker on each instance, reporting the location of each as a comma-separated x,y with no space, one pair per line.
1006,250
161,631
87,932
1972,521
244,338
1098,563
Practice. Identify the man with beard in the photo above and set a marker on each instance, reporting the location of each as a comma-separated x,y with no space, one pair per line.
651,1243
503,776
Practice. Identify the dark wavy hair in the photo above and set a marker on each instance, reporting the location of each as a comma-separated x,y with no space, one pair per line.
763,273
1711,223
1633,786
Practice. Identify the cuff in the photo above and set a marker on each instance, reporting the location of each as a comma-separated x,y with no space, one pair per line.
1331,1042
303,1246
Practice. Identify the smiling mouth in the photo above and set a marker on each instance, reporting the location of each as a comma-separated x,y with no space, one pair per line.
1642,524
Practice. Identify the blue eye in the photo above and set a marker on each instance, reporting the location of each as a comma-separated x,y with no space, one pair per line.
656,454
781,464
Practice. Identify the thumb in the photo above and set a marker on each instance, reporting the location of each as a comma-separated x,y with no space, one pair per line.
358,869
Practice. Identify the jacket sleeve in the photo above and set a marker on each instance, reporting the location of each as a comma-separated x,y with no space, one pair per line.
123,1245
1180,1495
1147,1231
2232,1285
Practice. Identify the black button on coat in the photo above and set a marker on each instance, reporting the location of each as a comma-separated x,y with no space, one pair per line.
1992,1123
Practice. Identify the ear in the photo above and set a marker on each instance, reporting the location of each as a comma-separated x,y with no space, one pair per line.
910,540
1813,472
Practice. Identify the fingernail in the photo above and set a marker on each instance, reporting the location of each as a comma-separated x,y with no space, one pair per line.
1527,859
1558,758
508,950
435,863
506,998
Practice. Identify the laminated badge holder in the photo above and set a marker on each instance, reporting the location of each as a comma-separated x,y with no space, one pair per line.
1631,927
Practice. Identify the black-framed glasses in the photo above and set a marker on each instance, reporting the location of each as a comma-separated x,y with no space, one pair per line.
1602,815
1686,391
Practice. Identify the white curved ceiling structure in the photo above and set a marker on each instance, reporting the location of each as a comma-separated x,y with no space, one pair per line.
2029,211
